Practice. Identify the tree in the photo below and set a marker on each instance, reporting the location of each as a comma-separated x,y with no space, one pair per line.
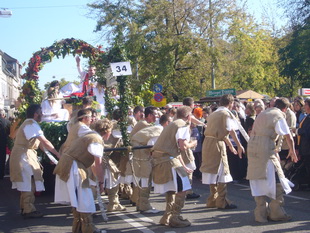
295,54
181,42
253,59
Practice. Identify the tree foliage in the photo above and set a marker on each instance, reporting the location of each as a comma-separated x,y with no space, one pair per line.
295,54
179,42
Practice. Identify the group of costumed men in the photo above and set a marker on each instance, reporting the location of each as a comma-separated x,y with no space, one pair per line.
167,165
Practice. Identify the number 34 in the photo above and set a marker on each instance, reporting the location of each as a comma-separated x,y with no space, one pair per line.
119,69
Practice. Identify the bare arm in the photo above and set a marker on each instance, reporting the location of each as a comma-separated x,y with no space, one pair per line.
233,134
290,143
196,121
182,145
48,145
230,145
78,65
98,170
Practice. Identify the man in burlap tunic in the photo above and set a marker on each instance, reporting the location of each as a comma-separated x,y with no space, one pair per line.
78,128
214,166
139,169
25,170
72,176
170,175
264,169
150,118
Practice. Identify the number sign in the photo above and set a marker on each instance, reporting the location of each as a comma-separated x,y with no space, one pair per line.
121,68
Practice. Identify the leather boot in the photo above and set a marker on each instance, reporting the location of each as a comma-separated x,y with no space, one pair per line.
87,224
114,204
170,197
211,200
261,211
176,220
277,212
76,225
221,201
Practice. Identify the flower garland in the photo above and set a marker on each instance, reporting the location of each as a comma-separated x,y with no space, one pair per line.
30,91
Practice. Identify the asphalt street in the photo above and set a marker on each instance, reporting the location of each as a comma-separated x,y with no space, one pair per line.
58,218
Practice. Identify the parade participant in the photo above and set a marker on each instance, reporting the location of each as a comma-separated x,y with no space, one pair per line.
150,114
99,92
87,86
214,166
139,170
189,101
52,106
86,104
4,133
264,169
78,129
170,175
190,161
72,183
115,168
138,113
25,170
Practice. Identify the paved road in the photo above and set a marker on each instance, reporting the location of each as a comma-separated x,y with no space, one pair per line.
58,218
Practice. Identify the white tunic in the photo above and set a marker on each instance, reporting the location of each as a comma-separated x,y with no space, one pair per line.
56,108
100,98
184,134
72,192
267,187
31,131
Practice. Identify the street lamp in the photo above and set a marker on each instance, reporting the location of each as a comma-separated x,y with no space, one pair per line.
4,13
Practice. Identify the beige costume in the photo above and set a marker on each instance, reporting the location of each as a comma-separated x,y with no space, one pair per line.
141,165
25,170
72,180
214,157
114,165
165,155
261,159
133,195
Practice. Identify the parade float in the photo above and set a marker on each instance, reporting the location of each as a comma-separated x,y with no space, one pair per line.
56,132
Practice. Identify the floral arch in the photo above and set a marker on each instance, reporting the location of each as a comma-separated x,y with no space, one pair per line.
30,91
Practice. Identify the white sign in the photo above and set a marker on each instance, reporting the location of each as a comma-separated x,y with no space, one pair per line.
121,68
304,91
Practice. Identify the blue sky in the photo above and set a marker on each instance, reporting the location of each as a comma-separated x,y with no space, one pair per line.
36,24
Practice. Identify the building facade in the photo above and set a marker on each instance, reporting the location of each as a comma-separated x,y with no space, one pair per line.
10,82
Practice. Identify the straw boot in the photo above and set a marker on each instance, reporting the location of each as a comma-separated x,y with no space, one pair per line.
277,212
135,197
221,201
76,225
143,200
170,197
114,204
211,201
261,209
87,224
176,220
